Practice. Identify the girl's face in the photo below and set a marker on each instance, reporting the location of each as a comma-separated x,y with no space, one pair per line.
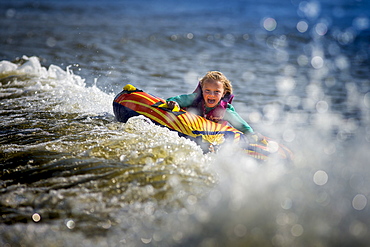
213,91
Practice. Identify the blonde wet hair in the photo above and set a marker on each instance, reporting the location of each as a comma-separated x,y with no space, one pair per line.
218,76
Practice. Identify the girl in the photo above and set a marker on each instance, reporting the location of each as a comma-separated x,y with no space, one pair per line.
212,100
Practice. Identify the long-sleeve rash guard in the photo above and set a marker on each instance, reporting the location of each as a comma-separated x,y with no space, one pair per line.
231,116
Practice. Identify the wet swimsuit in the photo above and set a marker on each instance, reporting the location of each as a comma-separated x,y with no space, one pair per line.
224,111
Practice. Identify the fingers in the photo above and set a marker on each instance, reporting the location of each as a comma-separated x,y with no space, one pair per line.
172,104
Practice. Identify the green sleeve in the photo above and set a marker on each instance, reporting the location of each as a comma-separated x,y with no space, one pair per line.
184,100
236,121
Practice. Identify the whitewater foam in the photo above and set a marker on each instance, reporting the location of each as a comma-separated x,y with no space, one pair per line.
61,90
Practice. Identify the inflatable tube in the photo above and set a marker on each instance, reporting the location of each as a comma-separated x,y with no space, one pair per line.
134,102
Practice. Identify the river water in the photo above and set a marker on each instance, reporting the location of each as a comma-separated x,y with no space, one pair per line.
71,175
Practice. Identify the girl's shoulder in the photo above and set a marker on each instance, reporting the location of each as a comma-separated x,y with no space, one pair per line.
230,107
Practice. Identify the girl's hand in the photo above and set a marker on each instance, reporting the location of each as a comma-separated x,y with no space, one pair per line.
172,104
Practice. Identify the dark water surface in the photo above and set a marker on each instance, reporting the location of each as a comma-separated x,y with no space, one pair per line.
71,175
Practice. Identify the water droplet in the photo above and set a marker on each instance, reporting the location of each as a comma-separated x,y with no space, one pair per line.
190,36
70,224
317,62
36,217
321,29
287,203
146,240
320,177
106,225
302,26
297,230
322,106
359,202
269,24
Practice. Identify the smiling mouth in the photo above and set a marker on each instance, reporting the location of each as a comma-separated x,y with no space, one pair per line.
211,101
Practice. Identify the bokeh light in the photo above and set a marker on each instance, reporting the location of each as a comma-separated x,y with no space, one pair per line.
320,177
36,217
359,202
269,24
302,26
321,28
317,62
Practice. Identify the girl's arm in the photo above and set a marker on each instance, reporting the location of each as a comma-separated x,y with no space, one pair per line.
184,100
236,121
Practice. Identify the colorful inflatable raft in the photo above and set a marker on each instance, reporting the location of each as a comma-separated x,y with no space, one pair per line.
134,102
